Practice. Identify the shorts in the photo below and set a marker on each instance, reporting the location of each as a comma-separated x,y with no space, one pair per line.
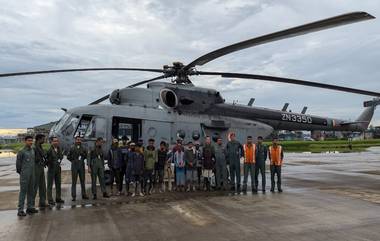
207,173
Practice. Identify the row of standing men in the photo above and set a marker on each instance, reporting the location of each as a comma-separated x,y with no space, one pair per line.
146,169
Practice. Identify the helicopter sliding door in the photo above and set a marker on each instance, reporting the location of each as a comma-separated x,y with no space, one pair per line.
128,127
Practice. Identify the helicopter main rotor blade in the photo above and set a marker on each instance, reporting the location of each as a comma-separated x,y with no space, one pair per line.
149,80
131,86
288,33
99,100
291,81
77,70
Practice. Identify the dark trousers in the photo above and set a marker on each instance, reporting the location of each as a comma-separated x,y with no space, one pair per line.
75,172
275,170
260,168
113,177
148,180
249,168
159,177
39,184
120,173
199,171
235,172
54,176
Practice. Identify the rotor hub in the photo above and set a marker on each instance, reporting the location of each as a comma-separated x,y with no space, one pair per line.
179,72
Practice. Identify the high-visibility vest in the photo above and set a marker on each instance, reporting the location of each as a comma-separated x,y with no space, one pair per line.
275,155
249,153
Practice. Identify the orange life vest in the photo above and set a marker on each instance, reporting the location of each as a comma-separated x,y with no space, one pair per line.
249,153
275,155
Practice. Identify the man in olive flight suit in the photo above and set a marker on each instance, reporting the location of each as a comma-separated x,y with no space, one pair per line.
25,167
39,171
76,156
54,158
95,163
234,153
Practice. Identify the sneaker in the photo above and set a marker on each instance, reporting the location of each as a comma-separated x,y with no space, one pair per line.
133,195
31,211
21,213
59,201
51,203
141,194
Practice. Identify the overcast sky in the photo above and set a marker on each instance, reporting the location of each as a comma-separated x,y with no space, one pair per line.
40,34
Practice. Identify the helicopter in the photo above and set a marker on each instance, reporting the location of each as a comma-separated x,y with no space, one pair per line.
167,111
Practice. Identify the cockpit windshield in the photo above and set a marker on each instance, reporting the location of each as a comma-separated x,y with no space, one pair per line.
61,122
70,126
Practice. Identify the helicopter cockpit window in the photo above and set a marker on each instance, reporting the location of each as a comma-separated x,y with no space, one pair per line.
97,128
83,125
70,126
61,122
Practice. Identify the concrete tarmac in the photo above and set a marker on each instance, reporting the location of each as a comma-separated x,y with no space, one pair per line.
326,197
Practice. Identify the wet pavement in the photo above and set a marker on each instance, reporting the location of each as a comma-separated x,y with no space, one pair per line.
327,196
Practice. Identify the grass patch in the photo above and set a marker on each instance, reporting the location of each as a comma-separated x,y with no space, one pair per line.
325,146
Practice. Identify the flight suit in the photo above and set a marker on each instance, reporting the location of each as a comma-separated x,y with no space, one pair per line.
25,163
39,175
276,156
261,157
234,153
221,166
76,156
54,158
96,163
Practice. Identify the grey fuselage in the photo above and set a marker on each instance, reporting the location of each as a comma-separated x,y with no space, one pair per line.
166,112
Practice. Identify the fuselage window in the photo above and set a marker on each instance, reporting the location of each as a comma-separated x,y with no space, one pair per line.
96,128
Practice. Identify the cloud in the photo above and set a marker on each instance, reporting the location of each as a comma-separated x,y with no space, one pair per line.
69,34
